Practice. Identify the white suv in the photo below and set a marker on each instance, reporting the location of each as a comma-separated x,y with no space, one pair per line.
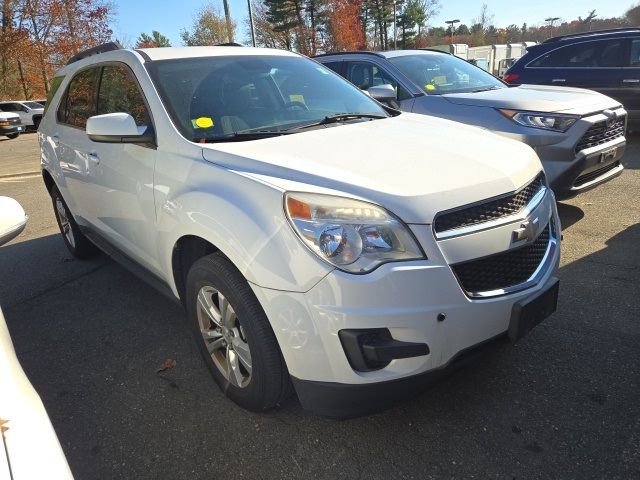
317,240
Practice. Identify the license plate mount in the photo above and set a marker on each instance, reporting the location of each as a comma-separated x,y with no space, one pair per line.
608,155
528,313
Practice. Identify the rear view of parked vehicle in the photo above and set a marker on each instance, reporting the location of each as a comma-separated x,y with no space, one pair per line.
10,125
320,242
30,112
607,61
578,134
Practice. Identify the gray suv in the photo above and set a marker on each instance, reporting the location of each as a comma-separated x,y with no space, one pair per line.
578,134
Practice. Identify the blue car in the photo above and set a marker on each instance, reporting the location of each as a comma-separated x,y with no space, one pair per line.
607,61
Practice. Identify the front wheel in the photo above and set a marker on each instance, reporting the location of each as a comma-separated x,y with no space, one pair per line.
78,244
234,335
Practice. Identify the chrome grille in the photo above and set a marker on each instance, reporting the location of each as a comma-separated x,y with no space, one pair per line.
490,210
505,269
599,133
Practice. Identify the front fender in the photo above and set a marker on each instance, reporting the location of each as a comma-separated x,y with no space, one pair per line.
244,219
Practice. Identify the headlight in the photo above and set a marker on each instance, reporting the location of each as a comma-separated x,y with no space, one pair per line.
557,123
352,235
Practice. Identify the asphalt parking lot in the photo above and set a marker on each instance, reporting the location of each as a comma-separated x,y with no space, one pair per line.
562,403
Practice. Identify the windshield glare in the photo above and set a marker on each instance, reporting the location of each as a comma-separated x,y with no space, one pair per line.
438,74
216,97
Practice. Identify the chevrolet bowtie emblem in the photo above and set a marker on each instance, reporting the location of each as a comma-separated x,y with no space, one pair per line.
525,233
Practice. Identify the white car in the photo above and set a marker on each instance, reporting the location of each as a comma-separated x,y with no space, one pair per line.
317,239
25,428
10,125
30,112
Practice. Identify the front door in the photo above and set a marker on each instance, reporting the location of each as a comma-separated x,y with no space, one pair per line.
122,174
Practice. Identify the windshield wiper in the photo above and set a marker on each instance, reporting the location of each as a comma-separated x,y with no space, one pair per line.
336,118
245,135
485,89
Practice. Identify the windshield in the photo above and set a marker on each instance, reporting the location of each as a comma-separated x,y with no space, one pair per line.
438,74
213,98
32,104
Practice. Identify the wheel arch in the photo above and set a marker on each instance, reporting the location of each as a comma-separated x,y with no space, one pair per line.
49,182
187,250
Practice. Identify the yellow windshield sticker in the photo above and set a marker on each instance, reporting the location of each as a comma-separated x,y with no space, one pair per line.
439,80
202,122
297,98
428,86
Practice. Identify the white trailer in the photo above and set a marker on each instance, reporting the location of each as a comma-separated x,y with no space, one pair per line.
457,49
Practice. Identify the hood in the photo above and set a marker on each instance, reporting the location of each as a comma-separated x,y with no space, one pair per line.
537,98
413,165
8,115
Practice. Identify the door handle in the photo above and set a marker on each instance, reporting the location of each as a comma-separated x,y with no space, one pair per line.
55,138
93,156
631,80
559,80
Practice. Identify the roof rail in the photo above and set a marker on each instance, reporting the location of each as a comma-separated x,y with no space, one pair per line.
428,49
377,54
105,47
593,32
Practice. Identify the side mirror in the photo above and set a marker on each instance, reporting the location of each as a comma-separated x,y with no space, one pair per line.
118,128
383,93
12,219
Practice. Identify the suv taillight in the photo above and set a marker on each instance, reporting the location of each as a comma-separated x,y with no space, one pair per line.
511,77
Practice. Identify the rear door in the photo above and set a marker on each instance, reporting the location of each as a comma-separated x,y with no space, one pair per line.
71,144
596,65
122,174
630,88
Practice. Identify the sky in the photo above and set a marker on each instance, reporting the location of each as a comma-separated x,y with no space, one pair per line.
169,17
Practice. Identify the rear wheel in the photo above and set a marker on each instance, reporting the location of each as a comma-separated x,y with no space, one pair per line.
234,335
13,135
78,244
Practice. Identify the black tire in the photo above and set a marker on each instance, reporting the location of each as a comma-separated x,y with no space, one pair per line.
13,135
78,244
269,382
36,123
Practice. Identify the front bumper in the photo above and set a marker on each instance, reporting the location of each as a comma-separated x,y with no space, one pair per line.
11,129
571,170
419,302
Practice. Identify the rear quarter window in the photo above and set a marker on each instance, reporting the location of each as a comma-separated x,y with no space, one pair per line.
55,85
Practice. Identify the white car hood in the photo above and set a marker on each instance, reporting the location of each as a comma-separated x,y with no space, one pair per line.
413,165
8,115
537,98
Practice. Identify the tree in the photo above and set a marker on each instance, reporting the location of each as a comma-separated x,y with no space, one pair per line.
39,36
156,39
633,15
589,18
463,30
344,26
209,28
266,34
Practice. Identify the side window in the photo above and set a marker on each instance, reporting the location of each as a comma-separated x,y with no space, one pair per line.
335,66
365,75
80,100
603,53
119,93
634,58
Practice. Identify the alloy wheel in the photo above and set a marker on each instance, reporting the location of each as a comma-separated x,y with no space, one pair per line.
65,224
224,336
